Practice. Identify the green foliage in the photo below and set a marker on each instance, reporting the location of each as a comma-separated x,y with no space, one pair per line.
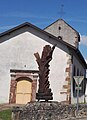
5,114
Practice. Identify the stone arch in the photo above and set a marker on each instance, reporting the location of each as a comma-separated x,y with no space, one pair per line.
27,79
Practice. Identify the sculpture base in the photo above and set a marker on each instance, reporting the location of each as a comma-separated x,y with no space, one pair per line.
44,96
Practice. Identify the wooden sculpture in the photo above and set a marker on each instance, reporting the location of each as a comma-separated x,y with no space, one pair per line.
44,92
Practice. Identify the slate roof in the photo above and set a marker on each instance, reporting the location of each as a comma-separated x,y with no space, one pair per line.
72,48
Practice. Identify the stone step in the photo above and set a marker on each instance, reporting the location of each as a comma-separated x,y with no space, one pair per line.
8,106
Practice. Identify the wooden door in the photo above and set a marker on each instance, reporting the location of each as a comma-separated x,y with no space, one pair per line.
23,92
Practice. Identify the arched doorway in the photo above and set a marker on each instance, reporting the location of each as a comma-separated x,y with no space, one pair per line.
23,86
23,91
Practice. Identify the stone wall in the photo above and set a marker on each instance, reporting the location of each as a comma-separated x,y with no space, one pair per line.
48,111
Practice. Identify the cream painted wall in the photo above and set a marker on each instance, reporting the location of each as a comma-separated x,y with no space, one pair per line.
17,53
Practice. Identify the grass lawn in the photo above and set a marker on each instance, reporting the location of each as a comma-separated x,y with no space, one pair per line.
5,114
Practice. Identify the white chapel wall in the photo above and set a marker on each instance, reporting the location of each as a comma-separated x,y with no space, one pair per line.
17,53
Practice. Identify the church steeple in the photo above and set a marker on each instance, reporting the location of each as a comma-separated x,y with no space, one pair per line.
64,31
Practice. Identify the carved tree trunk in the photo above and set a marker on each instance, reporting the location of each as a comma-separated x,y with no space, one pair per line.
44,92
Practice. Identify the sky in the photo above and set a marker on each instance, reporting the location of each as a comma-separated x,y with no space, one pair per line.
44,12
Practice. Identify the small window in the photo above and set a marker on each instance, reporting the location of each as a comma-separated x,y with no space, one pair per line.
74,83
59,37
59,28
77,72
